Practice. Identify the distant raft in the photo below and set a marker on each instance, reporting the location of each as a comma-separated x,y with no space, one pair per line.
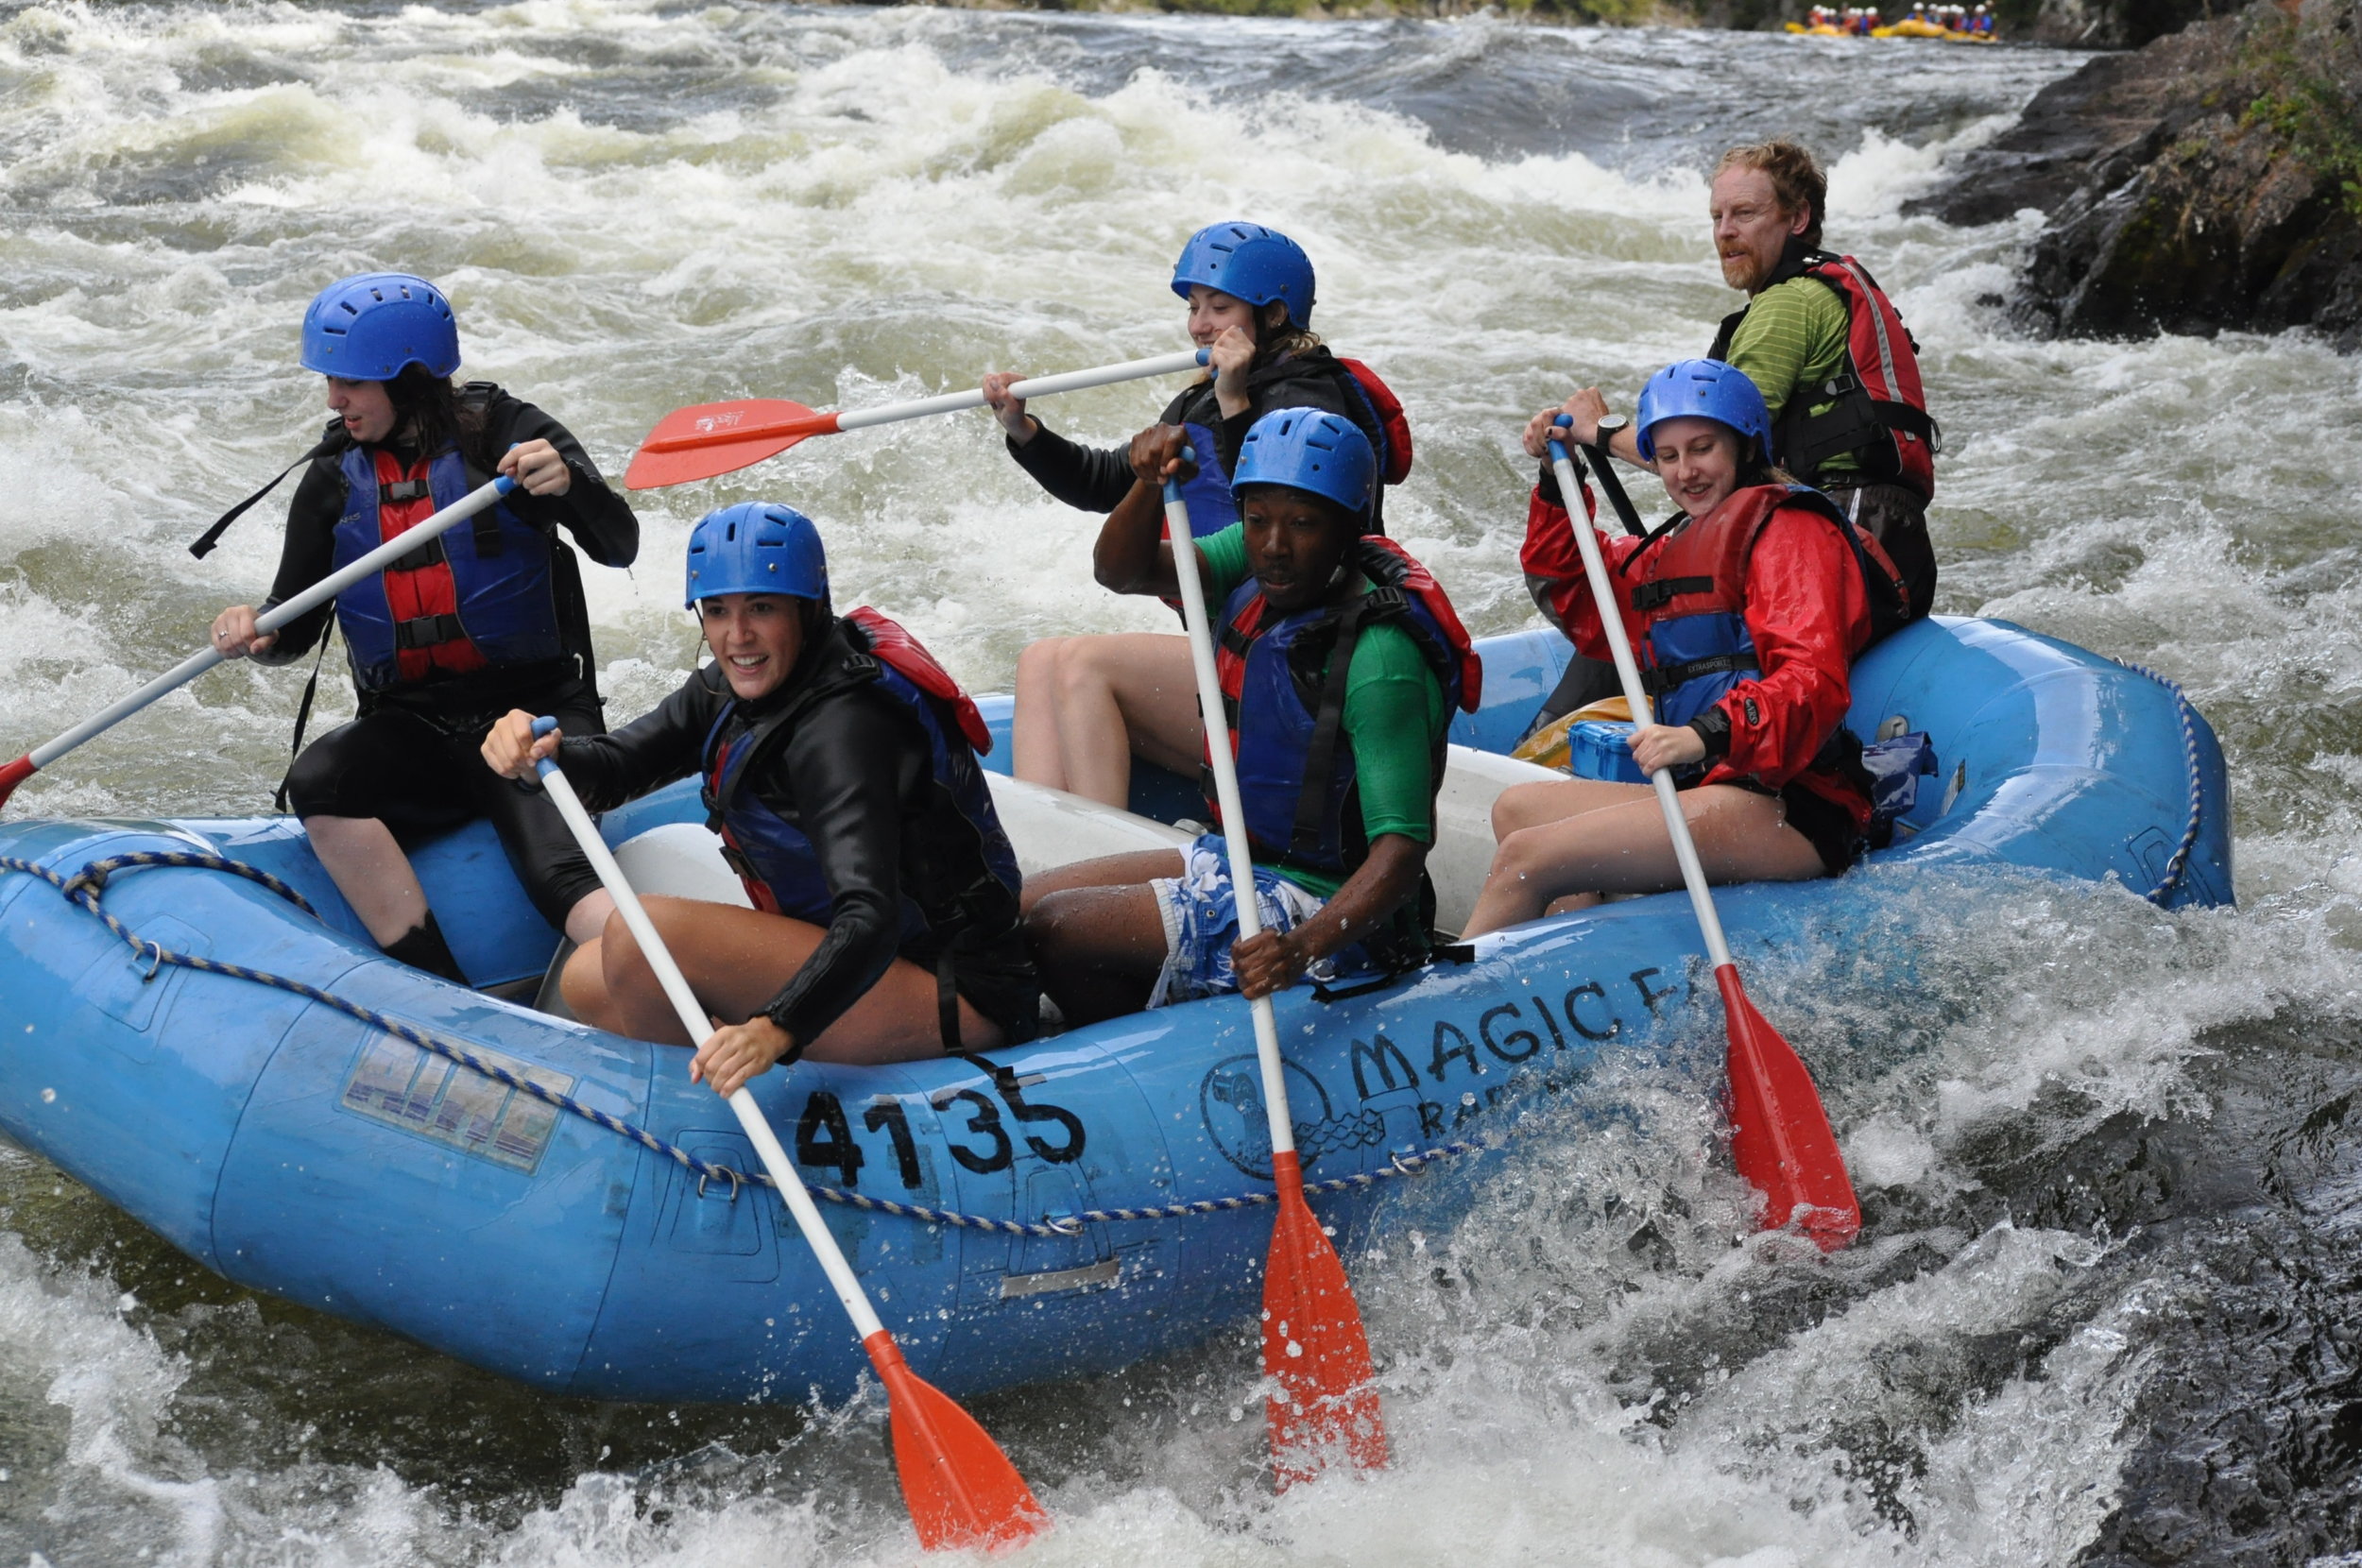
275,1097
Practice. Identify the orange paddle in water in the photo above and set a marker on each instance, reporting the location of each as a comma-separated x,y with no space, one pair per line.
1781,1139
1313,1343
718,438
962,1491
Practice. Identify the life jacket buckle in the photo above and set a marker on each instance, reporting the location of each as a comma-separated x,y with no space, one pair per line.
427,631
430,553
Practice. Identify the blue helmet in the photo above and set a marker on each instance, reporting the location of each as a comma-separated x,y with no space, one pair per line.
1309,449
374,325
1704,389
1248,262
756,547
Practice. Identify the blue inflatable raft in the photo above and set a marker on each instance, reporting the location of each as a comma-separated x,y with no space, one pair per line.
260,1103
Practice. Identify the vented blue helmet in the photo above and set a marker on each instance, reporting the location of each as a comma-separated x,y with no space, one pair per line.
1704,389
1309,449
371,326
756,547
1248,262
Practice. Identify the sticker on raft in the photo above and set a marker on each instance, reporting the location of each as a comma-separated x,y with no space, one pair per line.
397,1082
1230,1100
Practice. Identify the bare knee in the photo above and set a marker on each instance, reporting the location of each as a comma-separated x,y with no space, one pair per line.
623,969
1039,662
1050,927
583,984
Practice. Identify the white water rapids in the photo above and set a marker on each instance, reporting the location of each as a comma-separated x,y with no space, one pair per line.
2070,1132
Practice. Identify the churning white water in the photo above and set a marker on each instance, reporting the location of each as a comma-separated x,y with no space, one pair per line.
2097,1312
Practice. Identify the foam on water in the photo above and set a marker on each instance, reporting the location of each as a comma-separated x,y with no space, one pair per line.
637,205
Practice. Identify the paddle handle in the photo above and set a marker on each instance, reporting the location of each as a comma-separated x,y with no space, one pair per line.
1620,648
1610,485
1040,387
271,620
693,1016
1225,768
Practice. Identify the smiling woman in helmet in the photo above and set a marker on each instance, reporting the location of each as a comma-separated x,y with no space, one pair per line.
1745,611
840,766
1340,660
486,617
1086,706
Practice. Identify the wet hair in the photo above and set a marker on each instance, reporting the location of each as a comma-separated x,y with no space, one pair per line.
1275,341
1797,183
427,408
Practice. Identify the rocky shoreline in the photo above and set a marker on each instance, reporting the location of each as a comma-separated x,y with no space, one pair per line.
2210,180
2079,23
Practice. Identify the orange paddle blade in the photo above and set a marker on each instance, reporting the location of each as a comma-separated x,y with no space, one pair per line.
1313,1346
717,439
962,1491
1780,1135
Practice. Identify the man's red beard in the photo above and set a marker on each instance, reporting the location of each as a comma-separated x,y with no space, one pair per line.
1741,271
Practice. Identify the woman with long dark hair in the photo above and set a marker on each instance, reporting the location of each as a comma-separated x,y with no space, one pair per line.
486,618
1086,706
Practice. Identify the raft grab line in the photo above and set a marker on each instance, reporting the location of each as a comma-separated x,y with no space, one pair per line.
85,888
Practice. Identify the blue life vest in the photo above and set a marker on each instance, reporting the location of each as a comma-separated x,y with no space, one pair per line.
776,859
1297,773
504,604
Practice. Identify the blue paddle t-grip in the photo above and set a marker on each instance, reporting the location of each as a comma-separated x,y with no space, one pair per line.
1172,492
1558,448
541,726
1206,356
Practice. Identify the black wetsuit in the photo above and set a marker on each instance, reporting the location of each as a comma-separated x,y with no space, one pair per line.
850,766
411,758
1096,479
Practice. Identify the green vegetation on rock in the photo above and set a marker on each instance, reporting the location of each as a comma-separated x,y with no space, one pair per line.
2308,70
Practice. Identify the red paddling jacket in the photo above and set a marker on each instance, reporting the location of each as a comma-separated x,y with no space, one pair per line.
1744,623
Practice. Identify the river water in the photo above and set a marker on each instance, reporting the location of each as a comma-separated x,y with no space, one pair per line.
2100,1312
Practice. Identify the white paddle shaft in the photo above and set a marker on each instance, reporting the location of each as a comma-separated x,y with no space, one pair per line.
1186,567
693,1016
1040,387
277,616
1619,646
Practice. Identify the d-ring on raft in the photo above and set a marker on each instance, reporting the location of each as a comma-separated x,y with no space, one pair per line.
1107,1178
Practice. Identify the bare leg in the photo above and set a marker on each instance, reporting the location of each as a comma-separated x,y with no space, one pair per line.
736,960
588,918
1086,706
1099,948
1108,871
360,856
1620,845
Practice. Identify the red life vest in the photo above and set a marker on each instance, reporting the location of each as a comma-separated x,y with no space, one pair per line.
423,590
1688,621
1394,450
1880,410
909,657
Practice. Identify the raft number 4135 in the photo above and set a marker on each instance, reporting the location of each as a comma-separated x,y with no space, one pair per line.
824,1135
